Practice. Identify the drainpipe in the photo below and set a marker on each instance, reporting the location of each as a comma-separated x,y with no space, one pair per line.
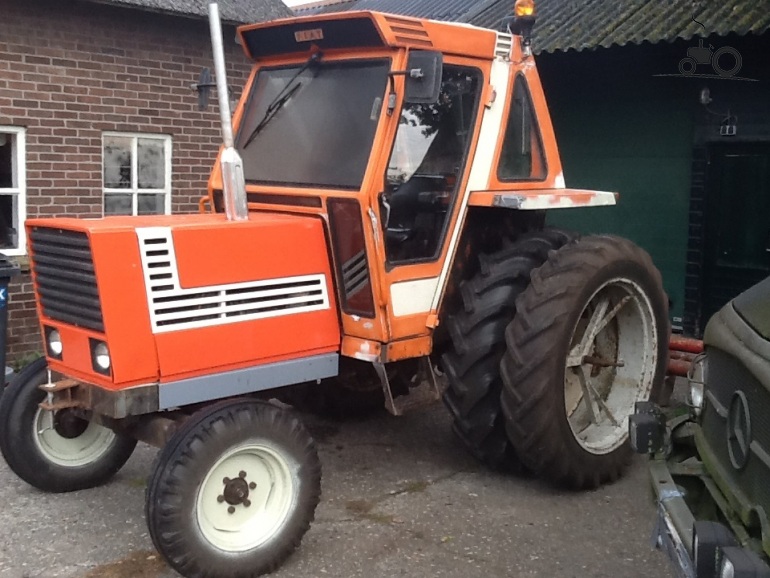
233,183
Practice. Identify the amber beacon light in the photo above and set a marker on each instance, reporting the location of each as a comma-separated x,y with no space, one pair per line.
522,21
524,8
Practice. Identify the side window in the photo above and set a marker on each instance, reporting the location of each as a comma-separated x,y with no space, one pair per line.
522,155
426,166
137,174
12,190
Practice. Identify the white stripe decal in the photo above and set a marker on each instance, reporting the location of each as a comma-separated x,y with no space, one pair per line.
482,162
410,297
173,308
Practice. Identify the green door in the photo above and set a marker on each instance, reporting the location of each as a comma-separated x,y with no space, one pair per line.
737,234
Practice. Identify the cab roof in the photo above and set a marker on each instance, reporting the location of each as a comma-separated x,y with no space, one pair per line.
363,30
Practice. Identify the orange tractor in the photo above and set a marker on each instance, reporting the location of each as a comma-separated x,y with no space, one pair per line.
374,226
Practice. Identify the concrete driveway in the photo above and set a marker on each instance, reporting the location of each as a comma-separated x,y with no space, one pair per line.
400,498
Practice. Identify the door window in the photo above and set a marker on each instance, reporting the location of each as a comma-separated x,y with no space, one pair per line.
522,155
426,166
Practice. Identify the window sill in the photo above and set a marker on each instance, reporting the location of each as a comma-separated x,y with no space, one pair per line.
21,261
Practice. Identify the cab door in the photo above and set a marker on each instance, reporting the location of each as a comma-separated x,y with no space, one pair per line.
419,203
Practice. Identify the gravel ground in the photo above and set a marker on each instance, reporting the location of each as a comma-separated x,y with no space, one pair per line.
400,498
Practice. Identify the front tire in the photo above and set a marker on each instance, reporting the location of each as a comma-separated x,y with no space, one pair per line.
55,451
589,340
233,491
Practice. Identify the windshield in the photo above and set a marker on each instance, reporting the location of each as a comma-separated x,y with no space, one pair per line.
312,124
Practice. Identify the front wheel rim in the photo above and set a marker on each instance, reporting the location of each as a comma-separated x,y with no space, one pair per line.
611,364
81,450
245,498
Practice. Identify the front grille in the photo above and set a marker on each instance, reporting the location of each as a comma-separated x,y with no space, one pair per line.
174,307
64,276
726,375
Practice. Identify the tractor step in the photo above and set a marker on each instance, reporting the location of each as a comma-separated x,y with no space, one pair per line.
59,394
422,395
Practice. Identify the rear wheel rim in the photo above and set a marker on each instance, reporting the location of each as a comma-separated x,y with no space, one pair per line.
88,447
246,498
611,364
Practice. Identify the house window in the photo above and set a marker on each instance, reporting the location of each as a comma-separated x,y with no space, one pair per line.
13,184
137,174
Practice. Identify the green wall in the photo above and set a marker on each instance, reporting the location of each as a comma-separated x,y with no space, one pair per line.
622,129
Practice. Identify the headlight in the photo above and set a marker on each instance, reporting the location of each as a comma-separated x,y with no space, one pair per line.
742,563
707,539
100,357
728,570
697,379
696,551
696,396
53,342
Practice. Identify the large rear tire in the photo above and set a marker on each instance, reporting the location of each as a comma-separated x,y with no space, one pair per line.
589,340
233,491
477,333
55,451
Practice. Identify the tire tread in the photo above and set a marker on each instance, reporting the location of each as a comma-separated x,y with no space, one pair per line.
477,332
168,490
535,353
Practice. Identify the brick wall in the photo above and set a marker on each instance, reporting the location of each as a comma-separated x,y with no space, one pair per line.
23,329
70,70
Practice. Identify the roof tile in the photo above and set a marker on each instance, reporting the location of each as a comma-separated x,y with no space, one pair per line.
236,11
583,24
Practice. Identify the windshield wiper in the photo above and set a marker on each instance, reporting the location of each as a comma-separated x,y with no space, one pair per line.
270,113
283,96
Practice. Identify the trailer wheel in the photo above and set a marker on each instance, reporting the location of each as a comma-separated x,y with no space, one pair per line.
55,451
233,491
477,332
589,340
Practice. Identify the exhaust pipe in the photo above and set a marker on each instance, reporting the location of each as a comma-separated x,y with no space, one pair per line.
233,183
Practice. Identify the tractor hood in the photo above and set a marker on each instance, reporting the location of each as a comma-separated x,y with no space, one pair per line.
175,297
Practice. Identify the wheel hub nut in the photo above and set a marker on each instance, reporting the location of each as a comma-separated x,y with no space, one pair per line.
68,425
236,492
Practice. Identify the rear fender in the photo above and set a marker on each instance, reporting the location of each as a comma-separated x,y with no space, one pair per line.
540,199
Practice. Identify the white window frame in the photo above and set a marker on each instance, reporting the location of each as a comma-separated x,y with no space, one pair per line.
134,190
19,169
